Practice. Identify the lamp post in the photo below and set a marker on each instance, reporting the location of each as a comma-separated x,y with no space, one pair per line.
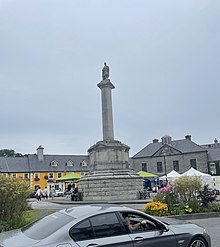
165,165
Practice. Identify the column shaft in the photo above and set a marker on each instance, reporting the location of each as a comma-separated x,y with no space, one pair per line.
107,116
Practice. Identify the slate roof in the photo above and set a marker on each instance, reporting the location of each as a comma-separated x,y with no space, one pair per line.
41,166
213,154
14,165
32,164
184,146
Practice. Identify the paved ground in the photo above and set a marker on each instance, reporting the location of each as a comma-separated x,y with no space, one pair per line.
212,225
63,202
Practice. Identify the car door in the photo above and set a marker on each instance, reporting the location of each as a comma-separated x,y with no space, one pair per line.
151,234
101,230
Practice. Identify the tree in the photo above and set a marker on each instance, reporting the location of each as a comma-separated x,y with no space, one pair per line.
9,153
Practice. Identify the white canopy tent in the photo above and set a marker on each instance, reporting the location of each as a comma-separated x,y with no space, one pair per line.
205,178
170,176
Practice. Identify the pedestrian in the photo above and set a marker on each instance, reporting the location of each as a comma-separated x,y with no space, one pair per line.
44,193
38,194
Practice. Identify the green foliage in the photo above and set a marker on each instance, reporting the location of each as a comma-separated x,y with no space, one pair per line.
13,202
187,187
194,204
214,207
9,153
185,197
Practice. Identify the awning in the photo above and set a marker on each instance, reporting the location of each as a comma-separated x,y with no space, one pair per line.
146,174
70,176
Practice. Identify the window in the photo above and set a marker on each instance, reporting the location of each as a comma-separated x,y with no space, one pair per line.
84,163
212,167
144,167
14,175
132,222
193,163
176,165
59,174
46,226
159,167
54,163
82,231
69,163
26,176
100,226
50,174
36,175
107,225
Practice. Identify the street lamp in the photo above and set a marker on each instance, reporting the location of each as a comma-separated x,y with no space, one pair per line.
165,165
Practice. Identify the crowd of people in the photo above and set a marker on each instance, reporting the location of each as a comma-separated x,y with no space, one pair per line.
41,194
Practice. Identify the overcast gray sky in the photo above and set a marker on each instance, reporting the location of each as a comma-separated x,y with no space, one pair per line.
164,59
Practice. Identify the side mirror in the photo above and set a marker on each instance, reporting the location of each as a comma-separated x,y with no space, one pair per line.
164,227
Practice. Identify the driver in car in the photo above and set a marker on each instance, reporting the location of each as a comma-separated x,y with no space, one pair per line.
131,226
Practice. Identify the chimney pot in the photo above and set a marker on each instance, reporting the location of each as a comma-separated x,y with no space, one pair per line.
155,140
188,137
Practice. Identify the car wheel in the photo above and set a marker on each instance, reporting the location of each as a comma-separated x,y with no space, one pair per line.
198,242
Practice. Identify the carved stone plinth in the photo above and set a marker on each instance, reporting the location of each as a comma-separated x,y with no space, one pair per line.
111,185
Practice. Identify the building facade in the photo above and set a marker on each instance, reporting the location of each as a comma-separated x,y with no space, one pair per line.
213,157
41,169
162,157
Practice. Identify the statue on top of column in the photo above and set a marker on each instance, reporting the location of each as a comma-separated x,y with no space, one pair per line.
105,72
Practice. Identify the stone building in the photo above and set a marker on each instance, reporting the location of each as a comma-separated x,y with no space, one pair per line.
179,155
213,157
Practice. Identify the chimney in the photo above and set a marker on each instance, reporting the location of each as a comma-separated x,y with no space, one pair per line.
155,140
216,142
40,153
166,140
188,137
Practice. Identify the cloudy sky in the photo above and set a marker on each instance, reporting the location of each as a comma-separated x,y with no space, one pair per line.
164,58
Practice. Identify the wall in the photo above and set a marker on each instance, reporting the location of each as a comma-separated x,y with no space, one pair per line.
184,162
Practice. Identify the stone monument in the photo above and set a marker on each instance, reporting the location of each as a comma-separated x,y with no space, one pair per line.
110,178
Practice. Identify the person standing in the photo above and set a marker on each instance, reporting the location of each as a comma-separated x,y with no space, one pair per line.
44,193
38,194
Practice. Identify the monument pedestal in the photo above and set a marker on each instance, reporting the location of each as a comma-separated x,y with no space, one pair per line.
110,178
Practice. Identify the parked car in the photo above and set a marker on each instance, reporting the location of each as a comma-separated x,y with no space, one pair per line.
104,225
58,193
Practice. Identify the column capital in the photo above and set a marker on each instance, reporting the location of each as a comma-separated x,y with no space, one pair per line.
105,83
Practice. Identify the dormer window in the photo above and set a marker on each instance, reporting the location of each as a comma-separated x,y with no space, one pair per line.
69,163
84,163
54,163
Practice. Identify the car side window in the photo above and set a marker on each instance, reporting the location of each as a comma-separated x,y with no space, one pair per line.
107,225
82,231
138,222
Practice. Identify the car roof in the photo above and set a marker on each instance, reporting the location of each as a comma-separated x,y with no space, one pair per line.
89,210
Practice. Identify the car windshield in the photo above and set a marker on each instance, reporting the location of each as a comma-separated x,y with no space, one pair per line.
44,227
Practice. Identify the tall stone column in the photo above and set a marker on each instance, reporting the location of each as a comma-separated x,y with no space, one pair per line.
110,178
107,117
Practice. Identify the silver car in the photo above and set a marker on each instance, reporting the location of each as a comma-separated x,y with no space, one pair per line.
104,225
